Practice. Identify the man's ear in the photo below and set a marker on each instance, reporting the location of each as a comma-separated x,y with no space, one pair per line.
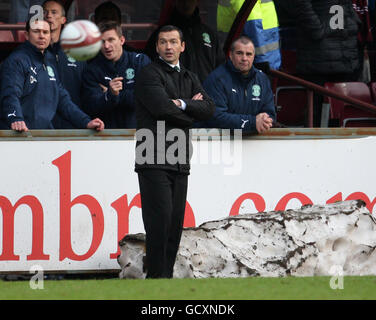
182,46
26,35
122,40
64,20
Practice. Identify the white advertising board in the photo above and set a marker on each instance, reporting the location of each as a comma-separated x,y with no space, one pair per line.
65,204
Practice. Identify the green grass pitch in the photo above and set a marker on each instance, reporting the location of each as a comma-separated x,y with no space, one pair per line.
289,288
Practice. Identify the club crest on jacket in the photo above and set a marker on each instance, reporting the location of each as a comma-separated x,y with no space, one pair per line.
256,90
129,73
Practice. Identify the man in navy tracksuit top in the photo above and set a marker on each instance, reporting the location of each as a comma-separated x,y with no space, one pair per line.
241,93
109,80
31,94
69,70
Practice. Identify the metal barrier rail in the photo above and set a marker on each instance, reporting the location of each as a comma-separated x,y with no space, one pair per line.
129,134
319,89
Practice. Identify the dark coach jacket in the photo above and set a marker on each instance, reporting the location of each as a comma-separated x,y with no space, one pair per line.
202,53
238,99
157,115
69,70
117,112
31,91
70,73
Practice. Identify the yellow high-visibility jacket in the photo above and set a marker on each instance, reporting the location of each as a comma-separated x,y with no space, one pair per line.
261,27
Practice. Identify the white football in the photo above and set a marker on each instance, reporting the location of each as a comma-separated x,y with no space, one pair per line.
81,40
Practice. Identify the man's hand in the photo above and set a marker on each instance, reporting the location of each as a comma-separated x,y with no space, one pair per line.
198,96
177,102
263,122
104,88
96,124
19,126
116,85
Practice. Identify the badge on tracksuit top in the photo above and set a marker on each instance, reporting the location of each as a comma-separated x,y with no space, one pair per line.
129,75
51,73
256,92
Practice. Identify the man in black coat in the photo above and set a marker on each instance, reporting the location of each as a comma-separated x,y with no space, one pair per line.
328,48
203,52
325,44
287,17
168,99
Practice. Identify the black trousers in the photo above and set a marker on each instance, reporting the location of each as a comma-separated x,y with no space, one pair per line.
163,198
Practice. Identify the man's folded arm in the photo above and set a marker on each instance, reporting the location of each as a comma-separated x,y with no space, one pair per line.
151,94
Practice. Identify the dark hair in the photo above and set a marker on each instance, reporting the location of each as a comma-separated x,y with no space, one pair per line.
169,28
28,22
243,39
59,2
107,11
110,25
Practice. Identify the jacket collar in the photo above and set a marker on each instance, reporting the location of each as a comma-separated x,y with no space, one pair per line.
166,67
33,52
251,74
54,48
30,48
111,64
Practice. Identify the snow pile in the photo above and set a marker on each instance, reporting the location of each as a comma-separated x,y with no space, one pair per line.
313,240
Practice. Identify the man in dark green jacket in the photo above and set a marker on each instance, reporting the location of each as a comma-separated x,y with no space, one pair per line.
203,52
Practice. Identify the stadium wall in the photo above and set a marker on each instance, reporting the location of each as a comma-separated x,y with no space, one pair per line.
67,197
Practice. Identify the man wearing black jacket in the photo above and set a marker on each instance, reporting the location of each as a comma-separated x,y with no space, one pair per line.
203,52
168,99
327,48
327,38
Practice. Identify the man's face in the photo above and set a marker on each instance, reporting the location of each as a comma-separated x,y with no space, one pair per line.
53,13
242,56
39,34
170,46
112,47
186,7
